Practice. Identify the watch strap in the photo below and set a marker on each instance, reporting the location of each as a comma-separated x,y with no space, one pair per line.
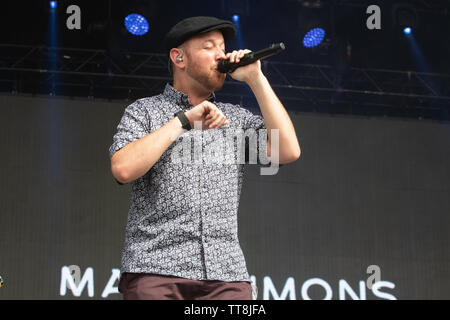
183,119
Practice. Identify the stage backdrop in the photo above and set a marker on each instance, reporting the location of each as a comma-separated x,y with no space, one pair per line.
363,214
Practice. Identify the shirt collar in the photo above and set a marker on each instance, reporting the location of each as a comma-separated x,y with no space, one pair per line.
180,98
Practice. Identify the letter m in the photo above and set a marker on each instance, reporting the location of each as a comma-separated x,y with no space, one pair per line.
68,281
289,289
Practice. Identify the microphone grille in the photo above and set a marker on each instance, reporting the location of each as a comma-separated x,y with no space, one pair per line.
222,66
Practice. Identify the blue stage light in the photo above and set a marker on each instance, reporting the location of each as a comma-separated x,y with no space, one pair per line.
314,37
53,4
235,18
136,24
407,30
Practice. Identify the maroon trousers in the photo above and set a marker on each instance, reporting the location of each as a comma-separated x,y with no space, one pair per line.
145,286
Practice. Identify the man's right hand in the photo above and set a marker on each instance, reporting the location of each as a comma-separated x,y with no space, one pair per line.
210,116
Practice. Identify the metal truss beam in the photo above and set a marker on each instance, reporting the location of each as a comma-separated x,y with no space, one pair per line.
100,74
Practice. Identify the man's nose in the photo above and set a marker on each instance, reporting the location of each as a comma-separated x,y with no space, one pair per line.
220,55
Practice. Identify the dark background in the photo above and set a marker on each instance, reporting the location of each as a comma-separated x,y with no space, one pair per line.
261,23
371,186
366,191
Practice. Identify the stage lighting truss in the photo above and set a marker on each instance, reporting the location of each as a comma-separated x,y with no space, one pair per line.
302,87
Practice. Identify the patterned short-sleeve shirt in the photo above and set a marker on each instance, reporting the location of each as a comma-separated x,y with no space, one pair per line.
182,219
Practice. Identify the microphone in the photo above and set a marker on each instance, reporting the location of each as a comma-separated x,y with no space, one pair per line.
225,66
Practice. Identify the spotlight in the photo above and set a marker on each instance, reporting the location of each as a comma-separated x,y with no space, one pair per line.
405,18
53,4
136,24
314,37
235,18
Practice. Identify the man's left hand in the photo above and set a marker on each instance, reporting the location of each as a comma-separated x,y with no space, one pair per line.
244,73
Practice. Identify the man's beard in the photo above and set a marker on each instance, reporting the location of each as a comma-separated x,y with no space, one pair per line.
210,81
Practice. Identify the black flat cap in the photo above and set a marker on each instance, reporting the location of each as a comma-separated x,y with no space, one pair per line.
190,27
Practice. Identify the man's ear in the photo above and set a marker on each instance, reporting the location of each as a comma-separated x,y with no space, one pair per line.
177,57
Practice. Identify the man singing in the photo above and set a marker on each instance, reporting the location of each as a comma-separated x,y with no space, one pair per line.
181,237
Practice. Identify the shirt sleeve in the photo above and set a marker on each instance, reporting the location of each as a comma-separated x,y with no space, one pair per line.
133,126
